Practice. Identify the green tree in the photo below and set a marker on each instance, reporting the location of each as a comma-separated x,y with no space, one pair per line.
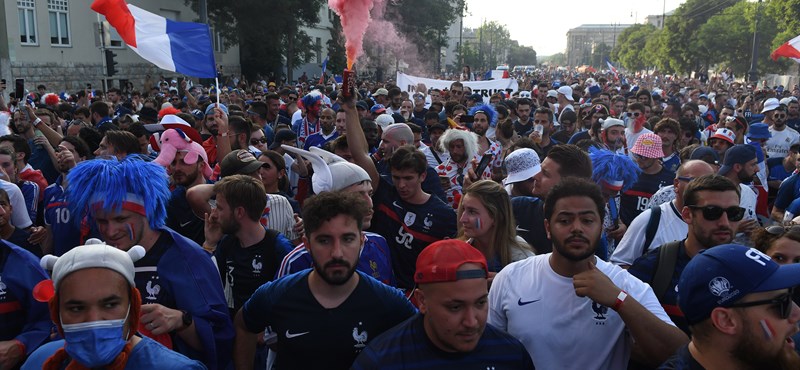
630,48
785,13
681,51
496,40
599,54
423,22
521,55
337,60
467,55
268,31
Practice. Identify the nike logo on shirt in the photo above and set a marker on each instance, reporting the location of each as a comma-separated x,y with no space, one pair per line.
522,303
290,335
183,224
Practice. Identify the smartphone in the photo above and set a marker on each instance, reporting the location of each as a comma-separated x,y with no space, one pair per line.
483,164
467,118
19,90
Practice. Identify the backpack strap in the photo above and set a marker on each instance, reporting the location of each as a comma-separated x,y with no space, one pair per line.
652,228
667,259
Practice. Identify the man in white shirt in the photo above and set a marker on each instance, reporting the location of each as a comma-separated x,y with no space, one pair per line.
782,136
671,226
557,304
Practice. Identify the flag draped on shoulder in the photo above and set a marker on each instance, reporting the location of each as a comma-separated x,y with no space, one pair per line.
789,49
182,47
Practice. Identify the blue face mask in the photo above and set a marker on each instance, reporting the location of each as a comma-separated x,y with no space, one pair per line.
95,343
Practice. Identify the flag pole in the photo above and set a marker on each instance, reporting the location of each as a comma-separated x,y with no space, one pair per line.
216,84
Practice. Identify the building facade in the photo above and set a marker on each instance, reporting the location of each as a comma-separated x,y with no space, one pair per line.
581,41
57,43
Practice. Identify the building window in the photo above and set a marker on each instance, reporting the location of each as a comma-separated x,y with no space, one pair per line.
27,22
59,22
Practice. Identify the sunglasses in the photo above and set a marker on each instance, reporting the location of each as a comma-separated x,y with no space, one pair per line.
713,213
778,116
292,97
779,230
633,114
685,178
783,303
262,140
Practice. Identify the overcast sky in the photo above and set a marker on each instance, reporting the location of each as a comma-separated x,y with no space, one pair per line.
544,24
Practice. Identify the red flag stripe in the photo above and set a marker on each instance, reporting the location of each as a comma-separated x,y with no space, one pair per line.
120,17
785,50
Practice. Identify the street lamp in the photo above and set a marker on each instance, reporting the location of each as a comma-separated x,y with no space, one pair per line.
752,74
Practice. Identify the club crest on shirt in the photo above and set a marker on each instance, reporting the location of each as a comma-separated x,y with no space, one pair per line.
152,289
410,218
360,337
600,312
257,265
427,222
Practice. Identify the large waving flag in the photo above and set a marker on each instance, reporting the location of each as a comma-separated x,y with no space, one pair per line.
790,49
182,47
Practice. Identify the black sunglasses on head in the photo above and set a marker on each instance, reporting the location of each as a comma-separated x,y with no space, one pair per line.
713,213
779,230
783,303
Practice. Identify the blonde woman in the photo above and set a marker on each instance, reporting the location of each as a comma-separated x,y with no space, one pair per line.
486,221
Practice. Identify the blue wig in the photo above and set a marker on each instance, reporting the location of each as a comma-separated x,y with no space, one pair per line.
311,98
486,109
613,170
112,184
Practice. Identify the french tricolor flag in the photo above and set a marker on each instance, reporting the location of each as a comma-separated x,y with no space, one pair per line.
182,47
789,49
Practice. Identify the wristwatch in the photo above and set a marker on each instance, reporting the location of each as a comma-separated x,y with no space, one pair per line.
186,319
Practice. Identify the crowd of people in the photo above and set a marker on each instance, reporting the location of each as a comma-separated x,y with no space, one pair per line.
587,221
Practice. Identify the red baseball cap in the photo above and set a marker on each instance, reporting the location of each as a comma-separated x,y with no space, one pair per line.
439,262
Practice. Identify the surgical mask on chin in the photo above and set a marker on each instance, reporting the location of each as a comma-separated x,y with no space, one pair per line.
95,343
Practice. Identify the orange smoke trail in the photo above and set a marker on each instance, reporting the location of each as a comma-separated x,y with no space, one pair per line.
355,20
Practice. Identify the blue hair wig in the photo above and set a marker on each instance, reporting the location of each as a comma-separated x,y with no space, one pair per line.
114,182
311,98
486,109
611,167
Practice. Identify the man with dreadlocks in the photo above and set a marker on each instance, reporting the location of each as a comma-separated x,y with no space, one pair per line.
308,125
184,305
613,173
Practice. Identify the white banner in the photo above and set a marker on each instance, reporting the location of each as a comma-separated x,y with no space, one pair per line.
485,88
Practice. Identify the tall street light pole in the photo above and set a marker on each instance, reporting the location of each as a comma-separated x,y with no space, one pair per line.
752,75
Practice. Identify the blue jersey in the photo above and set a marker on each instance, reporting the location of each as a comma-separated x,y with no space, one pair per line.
65,234
788,192
147,354
375,260
319,140
681,360
409,228
21,316
672,162
30,191
176,273
335,334
406,346
776,170
637,199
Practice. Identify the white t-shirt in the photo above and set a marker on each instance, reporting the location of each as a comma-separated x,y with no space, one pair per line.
778,145
663,195
631,137
747,200
20,218
432,162
671,227
560,330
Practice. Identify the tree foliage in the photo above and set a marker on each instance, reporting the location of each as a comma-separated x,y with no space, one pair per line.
521,55
712,34
630,50
337,60
424,22
268,31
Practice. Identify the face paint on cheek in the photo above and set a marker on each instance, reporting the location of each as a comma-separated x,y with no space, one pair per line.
768,332
130,231
477,223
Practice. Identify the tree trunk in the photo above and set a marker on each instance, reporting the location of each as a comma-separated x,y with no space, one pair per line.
290,54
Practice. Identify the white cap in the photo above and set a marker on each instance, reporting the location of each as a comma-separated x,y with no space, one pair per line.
95,254
786,101
611,122
521,165
770,104
384,120
552,94
566,91
525,94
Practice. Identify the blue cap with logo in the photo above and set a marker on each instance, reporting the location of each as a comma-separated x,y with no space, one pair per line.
737,154
722,275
